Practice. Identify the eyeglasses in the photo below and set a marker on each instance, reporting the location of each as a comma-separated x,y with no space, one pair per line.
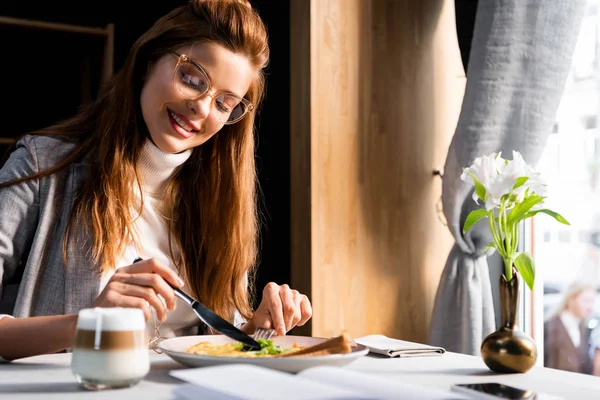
192,82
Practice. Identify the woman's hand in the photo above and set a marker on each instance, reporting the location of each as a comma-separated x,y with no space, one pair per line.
138,285
281,309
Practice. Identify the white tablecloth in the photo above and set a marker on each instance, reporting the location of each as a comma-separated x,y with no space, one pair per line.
49,377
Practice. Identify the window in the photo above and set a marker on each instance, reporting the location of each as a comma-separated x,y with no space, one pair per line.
566,256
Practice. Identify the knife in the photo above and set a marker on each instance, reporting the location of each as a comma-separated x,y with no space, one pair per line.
212,319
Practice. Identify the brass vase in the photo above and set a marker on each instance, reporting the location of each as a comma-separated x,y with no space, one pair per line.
509,349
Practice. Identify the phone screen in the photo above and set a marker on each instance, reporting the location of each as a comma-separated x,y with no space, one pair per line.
500,391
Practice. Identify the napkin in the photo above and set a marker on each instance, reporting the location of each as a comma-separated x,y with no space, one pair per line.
386,346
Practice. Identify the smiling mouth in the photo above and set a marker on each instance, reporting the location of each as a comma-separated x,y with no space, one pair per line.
181,122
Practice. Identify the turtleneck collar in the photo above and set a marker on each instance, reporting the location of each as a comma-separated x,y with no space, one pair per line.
157,167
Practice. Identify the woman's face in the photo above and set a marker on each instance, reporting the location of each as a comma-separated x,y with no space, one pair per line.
582,305
175,123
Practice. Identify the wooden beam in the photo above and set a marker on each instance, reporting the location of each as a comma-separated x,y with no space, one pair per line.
53,26
300,152
109,50
376,91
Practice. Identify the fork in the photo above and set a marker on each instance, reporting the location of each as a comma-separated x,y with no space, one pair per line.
263,333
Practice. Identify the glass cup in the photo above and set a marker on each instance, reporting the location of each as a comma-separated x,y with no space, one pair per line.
111,348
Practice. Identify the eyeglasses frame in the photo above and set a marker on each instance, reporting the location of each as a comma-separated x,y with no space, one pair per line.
181,58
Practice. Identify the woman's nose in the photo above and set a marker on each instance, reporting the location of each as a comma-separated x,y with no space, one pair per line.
202,106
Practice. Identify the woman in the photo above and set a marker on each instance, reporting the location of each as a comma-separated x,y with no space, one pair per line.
159,167
566,338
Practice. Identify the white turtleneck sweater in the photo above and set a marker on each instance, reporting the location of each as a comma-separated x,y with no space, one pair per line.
156,169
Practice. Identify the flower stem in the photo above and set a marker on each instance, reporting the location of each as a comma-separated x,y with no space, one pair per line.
504,236
495,234
510,241
507,236
508,268
515,238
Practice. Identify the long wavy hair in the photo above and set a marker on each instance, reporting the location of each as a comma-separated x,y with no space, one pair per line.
212,196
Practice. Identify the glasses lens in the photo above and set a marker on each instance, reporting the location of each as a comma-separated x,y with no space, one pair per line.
190,81
228,108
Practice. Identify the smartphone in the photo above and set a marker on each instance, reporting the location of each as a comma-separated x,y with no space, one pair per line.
496,391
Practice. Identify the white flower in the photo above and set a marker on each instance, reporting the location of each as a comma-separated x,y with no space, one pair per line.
516,168
499,176
485,169
499,186
515,188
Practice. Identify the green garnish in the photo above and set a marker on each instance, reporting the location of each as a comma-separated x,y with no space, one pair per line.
239,346
267,347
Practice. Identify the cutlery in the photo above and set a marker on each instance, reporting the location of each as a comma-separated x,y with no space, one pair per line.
213,320
263,333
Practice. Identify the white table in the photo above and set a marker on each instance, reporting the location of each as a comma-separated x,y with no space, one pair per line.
49,377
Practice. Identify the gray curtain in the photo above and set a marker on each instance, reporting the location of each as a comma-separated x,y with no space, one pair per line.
520,58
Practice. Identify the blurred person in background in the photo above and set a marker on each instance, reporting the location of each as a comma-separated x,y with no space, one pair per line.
566,334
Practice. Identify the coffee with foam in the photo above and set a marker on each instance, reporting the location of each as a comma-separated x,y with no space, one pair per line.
111,348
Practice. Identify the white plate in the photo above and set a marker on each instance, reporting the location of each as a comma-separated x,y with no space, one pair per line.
175,348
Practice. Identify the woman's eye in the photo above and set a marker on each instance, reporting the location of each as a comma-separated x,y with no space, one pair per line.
222,106
193,81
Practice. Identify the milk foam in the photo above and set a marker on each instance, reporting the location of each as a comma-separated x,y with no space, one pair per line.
111,319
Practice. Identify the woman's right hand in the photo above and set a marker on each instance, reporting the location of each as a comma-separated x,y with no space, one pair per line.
138,285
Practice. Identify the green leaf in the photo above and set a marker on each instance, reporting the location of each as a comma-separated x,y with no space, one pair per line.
267,347
520,181
473,217
551,213
239,346
526,268
517,213
479,188
264,343
491,245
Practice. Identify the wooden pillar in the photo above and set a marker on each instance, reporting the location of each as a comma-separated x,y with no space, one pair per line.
376,91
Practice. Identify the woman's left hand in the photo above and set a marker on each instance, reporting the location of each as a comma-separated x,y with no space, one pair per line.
281,309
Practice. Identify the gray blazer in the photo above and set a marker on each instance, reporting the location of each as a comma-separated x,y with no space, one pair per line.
33,218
